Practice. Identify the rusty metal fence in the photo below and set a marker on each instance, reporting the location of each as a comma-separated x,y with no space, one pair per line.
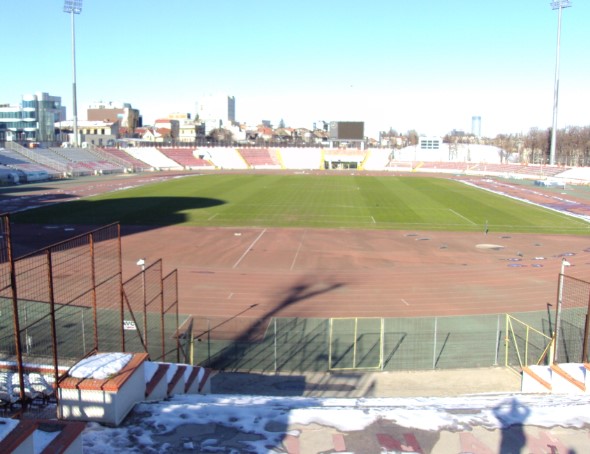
64,302
572,320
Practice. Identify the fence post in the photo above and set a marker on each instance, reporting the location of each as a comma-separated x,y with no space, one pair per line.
497,341
275,341
94,299
15,317
506,340
122,295
586,334
52,310
434,348
564,263
162,322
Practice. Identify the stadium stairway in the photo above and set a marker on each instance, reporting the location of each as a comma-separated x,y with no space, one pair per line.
566,378
107,401
40,436
110,400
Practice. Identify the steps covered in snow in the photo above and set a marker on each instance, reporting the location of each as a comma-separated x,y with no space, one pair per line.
105,387
40,436
566,378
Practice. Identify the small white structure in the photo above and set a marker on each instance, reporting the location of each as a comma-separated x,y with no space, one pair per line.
102,393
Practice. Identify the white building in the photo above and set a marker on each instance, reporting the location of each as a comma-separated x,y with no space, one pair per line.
216,111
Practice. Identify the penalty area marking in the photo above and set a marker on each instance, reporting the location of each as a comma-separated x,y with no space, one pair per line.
462,217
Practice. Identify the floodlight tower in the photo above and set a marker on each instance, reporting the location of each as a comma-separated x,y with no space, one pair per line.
556,5
74,7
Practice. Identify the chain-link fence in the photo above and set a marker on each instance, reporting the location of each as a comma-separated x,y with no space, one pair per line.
64,302
573,320
313,344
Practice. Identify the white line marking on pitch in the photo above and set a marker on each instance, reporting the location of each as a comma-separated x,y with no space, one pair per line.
405,302
461,216
373,220
248,249
212,216
230,295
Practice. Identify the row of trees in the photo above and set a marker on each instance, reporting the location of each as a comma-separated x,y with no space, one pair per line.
572,145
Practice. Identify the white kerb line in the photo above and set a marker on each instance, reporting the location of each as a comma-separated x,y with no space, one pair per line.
248,249
461,216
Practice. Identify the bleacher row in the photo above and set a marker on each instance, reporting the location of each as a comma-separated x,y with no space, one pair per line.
19,164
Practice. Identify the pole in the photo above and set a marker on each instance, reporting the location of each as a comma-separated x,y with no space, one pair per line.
74,95
497,341
559,5
145,324
434,343
564,263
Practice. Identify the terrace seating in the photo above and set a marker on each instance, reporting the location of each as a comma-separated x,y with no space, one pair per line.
259,157
376,159
301,158
153,157
223,157
7,397
31,394
42,384
17,161
186,157
133,163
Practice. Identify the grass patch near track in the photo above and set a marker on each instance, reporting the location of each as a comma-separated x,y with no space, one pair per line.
315,201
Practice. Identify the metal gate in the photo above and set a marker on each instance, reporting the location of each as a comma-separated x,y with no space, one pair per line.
356,344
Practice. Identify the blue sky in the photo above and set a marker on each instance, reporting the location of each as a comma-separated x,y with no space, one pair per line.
425,64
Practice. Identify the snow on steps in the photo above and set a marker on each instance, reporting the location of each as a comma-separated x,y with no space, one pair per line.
40,436
566,378
109,400
166,379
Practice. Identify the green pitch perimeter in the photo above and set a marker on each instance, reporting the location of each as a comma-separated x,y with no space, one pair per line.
334,201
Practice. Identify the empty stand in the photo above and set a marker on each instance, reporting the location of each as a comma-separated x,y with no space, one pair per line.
186,157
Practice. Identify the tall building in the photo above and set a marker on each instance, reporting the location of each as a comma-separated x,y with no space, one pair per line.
216,111
476,126
33,120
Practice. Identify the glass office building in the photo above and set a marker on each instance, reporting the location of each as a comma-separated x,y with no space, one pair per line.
33,120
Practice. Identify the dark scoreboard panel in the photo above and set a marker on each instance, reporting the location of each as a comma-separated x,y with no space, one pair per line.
347,130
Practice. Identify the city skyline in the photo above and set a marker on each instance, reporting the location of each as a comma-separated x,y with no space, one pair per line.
425,66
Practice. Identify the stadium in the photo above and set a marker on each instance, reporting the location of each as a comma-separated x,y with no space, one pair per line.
324,264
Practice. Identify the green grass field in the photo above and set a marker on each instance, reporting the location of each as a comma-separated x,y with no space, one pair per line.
333,201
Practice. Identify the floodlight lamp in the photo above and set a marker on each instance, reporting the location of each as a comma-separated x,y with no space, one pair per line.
561,4
73,6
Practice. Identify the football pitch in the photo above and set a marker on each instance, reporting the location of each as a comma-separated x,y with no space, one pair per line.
313,201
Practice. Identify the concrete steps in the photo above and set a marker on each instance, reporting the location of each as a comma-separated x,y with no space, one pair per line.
40,436
107,401
566,378
110,400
